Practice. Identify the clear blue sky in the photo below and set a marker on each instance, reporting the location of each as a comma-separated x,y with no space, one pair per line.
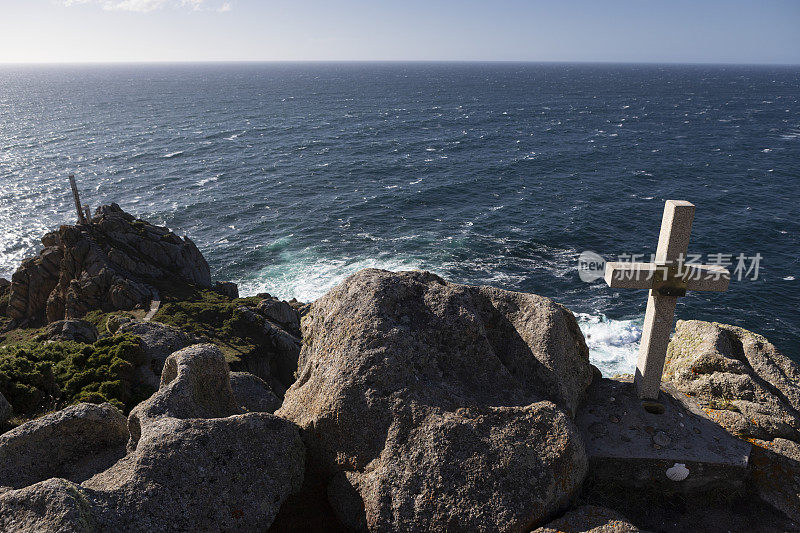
713,31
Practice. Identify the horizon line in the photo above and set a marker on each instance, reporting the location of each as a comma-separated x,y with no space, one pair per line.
390,61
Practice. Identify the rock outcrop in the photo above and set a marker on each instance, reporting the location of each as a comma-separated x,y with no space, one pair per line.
5,289
418,405
738,376
227,288
436,406
194,464
112,263
752,390
73,443
281,313
276,359
71,330
34,281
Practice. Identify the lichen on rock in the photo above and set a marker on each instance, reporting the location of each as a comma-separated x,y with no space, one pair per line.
741,378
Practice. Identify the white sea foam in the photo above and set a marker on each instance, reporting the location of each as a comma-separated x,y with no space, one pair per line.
791,135
205,181
306,276
613,344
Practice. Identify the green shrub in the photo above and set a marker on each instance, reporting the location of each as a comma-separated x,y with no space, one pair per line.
216,318
35,376
106,321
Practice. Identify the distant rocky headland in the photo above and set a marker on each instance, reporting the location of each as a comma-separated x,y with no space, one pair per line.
137,394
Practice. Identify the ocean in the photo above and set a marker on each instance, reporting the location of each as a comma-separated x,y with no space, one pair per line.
289,177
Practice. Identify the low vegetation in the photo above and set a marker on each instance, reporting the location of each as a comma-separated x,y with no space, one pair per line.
36,377
215,317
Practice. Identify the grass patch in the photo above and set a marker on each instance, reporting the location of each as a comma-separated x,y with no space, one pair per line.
20,335
215,317
99,319
36,377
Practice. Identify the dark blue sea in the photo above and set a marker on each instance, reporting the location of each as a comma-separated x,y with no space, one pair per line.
291,176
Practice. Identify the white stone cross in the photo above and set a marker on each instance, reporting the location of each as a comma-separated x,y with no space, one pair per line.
668,278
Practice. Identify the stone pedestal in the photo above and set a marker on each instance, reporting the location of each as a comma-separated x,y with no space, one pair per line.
628,445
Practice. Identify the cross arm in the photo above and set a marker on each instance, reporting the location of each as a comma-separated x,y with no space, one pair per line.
707,278
628,275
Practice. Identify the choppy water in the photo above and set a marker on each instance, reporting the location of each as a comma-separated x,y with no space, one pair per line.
290,177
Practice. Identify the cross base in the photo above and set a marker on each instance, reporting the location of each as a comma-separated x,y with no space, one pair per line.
631,446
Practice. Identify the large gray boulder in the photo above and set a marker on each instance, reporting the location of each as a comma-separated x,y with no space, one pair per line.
743,381
112,262
428,405
195,383
73,443
71,330
193,465
51,505
221,474
491,468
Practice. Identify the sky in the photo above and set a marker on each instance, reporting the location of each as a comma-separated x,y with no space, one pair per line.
664,31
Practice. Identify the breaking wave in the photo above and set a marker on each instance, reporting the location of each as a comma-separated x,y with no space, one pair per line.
613,344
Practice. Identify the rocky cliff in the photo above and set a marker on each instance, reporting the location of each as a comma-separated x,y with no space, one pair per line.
114,262
413,404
